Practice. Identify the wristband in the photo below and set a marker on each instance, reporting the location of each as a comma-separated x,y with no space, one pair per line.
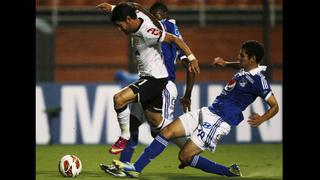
183,57
191,57
112,7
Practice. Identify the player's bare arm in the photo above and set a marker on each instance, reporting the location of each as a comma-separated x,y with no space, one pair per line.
190,78
218,61
193,62
255,119
105,7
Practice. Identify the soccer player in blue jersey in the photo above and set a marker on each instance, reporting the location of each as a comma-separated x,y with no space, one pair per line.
208,125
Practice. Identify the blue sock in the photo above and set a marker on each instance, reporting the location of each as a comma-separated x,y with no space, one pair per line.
127,153
209,166
152,151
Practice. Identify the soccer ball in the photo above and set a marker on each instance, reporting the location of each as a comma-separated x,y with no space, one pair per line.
70,166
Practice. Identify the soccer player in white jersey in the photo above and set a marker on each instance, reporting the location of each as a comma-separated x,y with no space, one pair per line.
147,34
171,55
208,125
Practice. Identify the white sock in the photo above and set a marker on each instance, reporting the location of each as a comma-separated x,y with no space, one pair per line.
123,119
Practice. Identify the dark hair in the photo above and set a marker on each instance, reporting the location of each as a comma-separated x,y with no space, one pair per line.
121,11
254,48
159,6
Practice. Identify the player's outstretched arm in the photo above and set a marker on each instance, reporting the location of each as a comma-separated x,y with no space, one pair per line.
190,78
193,62
218,61
255,119
105,7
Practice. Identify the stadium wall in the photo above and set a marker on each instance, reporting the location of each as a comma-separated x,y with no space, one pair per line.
84,114
94,53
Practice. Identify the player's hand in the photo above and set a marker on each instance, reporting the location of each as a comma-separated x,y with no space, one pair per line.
186,104
218,61
255,120
105,6
194,67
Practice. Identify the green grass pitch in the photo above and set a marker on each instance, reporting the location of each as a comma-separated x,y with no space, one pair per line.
256,161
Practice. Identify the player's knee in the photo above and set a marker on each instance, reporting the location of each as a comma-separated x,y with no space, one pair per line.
155,119
166,132
184,157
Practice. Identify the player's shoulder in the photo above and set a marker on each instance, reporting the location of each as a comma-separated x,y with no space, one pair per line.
170,22
173,21
146,20
259,76
171,26
258,72
260,80
145,25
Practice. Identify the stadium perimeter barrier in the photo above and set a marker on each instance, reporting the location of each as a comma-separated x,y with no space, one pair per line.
83,114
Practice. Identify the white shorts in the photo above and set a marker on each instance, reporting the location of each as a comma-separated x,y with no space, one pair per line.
204,127
169,96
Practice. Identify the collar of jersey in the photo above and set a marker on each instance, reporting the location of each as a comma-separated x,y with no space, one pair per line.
255,70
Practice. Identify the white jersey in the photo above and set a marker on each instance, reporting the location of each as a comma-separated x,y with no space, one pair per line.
146,45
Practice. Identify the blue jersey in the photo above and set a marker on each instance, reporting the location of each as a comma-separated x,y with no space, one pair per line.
170,50
239,93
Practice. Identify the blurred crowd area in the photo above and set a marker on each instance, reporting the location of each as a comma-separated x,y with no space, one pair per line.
88,48
221,3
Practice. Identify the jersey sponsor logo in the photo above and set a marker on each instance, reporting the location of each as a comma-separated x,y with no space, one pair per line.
231,84
243,82
206,125
176,31
154,31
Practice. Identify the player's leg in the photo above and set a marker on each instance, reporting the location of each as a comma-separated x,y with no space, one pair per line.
121,100
160,142
155,118
169,96
180,142
154,113
143,90
151,100
189,156
206,136
137,118
128,151
182,126
156,147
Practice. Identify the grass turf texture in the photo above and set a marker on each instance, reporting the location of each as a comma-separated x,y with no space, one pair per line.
256,161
